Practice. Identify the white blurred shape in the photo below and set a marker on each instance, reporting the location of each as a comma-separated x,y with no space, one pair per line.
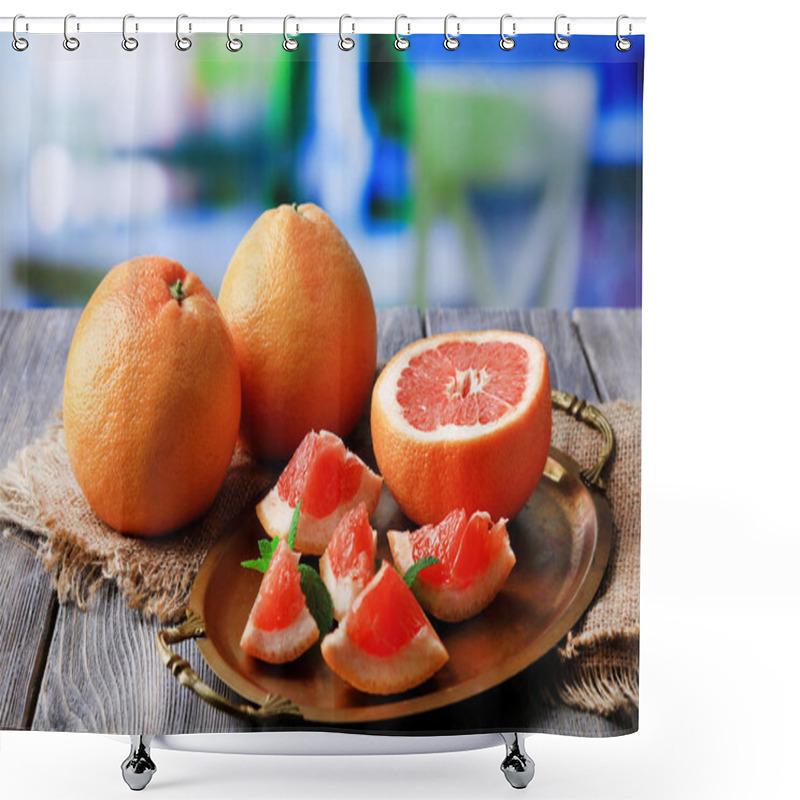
51,185
340,153
150,189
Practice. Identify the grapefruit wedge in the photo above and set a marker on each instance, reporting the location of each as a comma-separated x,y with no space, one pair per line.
462,420
348,563
475,558
385,643
329,481
280,627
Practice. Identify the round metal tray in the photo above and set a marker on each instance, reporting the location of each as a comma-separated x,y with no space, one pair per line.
561,539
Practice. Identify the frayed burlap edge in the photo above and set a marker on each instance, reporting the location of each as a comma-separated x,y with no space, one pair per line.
77,574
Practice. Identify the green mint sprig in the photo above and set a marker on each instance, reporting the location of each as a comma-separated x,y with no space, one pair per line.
318,599
267,547
417,567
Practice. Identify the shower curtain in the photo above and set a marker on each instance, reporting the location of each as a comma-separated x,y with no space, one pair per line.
208,255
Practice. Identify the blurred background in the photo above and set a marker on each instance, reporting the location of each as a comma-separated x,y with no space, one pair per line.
473,177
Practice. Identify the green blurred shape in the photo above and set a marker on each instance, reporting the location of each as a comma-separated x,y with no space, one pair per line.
56,283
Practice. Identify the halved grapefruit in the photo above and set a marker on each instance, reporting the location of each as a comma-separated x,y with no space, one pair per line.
385,643
462,420
329,480
475,558
348,563
280,627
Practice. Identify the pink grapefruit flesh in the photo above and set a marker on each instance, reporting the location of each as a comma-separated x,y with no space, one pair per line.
280,627
385,643
475,558
328,481
348,563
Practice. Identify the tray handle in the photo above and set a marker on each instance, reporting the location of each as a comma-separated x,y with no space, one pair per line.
192,628
584,412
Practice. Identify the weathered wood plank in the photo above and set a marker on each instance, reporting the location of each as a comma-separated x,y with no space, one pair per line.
397,327
33,351
569,371
104,675
612,339
448,320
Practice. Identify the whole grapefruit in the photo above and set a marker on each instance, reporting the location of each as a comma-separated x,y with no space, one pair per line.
300,310
151,397
462,420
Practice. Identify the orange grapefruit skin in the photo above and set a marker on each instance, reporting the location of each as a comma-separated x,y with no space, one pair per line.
151,398
496,471
303,322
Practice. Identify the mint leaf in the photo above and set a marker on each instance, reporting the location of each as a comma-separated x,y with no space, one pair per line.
318,599
266,547
417,567
293,527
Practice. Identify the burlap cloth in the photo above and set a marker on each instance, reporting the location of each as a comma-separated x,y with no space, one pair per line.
41,504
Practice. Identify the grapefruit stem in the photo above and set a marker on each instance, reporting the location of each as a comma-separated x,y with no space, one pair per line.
177,291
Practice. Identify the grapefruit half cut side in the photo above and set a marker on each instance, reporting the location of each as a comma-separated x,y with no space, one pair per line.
329,480
462,420
348,563
475,558
280,627
385,643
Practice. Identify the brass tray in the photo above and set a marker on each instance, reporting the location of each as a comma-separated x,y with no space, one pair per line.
561,539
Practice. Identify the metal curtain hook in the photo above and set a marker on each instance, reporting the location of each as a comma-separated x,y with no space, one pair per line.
128,42
507,42
233,44
451,42
18,43
401,42
70,42
561,43
182,42
289,43
345,43
623,44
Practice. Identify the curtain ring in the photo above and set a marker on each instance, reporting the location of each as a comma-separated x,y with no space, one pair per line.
451,42
401,42
561,43
70,42
233,44
18,43
128,42
182,42
507,42
289,43
345,42
622,43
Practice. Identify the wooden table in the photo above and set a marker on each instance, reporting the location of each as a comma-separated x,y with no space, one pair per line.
97,671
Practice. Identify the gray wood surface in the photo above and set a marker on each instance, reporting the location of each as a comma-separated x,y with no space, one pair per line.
98,670
612,342
33,352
